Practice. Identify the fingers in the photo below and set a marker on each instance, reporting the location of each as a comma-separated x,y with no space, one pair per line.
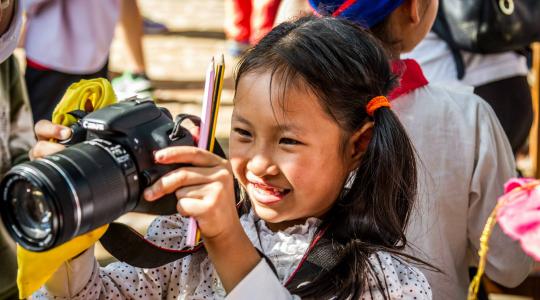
190,200
196,200
46,130
194,192
192,207
182,177
188,155
43,148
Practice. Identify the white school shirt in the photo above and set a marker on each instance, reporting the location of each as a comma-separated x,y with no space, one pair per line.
438,64
72,36
464,161
194,276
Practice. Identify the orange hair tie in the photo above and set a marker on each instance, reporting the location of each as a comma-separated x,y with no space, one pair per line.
376,103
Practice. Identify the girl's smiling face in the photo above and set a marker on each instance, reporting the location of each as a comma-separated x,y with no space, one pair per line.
286,153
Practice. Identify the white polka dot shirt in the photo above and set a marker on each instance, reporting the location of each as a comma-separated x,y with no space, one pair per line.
194,277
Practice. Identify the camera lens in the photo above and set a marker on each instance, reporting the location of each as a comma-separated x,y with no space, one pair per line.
51,200
32,210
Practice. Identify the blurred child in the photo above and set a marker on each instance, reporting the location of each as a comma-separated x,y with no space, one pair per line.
500,79
65,41
317,152
248,21
134,81
464,154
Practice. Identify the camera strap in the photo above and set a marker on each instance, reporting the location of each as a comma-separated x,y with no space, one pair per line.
129,246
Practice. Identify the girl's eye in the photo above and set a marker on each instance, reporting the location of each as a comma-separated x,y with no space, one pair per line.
242,132
288,141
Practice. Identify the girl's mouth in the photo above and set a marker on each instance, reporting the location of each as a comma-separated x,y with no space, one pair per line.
266,194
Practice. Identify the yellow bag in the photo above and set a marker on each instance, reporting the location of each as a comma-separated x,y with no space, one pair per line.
35,268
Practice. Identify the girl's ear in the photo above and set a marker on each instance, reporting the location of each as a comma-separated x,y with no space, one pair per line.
359,142
414,13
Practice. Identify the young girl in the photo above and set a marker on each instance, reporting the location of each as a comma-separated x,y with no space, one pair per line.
464,154
316,149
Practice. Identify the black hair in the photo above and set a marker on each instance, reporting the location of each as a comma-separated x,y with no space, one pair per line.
345,67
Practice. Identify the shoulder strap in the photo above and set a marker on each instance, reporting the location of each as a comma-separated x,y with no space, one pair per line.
441,28
321,256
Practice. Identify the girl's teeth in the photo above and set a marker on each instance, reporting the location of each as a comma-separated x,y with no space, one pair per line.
268,189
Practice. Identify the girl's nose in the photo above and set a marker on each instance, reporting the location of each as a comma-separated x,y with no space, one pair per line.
262,166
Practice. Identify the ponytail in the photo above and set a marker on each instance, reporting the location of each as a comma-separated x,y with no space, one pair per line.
386,183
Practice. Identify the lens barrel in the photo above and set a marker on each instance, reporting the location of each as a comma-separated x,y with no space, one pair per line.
49,201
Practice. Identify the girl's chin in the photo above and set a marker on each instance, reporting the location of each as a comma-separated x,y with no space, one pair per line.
268,214
273,219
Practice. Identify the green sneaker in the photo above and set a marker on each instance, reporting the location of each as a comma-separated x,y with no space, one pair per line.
129,85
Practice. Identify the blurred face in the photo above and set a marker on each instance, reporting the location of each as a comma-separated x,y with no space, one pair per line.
288,160
6,13
7,17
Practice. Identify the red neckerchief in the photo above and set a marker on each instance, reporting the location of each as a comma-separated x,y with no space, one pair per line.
35,65
411,77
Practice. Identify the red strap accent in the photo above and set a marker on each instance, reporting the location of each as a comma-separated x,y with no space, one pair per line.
35,65
411,79
306,254
343,7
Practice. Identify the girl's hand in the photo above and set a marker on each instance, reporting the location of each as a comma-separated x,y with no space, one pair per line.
205,190
45,131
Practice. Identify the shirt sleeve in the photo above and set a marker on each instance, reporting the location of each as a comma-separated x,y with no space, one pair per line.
398,279
21,136
261,281
82,277
506,264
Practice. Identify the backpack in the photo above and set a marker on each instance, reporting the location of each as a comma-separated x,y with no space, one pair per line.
487,26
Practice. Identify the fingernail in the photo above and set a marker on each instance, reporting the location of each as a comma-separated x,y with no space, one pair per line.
65,133
148,194
159,155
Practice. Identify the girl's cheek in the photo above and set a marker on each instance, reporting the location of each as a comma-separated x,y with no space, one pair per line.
238,153
293,170
238,164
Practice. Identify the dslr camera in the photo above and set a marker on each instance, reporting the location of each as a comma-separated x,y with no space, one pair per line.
99,177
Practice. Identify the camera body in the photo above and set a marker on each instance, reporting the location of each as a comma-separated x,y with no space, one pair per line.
99,177
138,128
